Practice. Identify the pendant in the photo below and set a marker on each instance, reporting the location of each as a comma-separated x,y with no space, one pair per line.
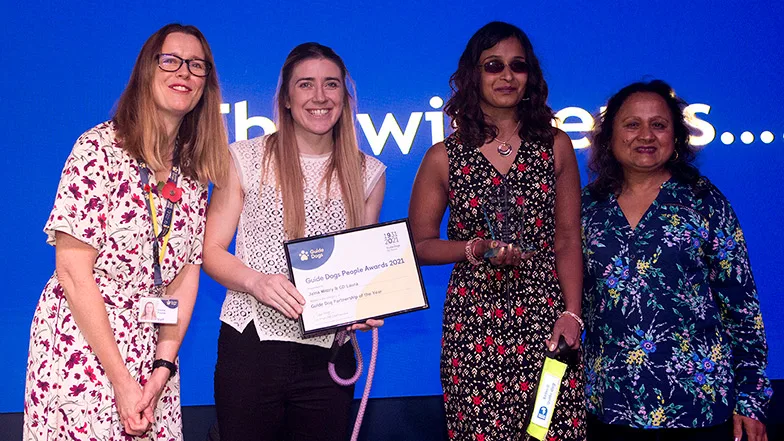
504,149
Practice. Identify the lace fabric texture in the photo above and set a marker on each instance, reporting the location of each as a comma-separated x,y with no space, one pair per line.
260,233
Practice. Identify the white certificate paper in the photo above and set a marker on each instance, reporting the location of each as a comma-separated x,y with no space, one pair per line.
354,275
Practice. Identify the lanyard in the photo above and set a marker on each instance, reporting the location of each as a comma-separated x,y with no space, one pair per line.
158,252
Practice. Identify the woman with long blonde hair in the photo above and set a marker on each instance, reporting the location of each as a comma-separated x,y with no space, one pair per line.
97,368
306,179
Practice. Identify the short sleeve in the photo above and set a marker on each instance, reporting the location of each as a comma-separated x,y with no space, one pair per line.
82,199
374,169
247,156
235,156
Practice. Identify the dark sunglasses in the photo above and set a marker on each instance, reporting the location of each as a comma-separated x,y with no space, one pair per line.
497,66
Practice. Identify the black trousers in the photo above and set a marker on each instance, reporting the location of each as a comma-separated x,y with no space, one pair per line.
599,431
273,391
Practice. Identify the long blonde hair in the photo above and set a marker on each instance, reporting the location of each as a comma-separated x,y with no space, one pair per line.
281,154
204,153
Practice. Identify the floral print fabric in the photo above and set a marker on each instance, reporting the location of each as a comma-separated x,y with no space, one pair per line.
674,335
100,201
496,319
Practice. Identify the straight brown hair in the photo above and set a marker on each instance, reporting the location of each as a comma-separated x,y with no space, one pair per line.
203,153
282,153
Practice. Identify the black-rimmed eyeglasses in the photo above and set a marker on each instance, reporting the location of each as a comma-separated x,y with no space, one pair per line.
172,63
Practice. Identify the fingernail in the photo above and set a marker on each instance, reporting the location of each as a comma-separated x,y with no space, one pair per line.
552,347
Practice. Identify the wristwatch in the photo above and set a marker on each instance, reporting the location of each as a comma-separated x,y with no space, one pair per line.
167,364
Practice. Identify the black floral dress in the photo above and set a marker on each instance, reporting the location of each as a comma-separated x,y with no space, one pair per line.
496,319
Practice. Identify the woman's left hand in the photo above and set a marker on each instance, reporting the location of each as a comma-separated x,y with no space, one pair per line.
367,326
152,392
755,429
569,328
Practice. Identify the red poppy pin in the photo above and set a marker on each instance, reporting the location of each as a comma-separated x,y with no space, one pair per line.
171,192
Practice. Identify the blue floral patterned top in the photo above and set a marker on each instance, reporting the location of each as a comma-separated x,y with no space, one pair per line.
674,335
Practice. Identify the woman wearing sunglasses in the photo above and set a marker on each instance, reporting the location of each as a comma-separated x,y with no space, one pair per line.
127,224
512,186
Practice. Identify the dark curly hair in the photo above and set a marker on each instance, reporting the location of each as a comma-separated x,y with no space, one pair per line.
463,106
605,169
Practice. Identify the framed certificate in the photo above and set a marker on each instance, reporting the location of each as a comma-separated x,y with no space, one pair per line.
354,275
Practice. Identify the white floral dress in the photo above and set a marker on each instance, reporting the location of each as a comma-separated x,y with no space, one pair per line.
100,201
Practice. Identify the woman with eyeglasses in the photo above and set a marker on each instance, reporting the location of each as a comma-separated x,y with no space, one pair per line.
306,179
127,224
512,186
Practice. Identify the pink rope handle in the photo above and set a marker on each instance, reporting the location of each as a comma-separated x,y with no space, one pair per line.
340,339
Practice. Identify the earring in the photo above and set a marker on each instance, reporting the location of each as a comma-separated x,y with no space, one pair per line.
675,158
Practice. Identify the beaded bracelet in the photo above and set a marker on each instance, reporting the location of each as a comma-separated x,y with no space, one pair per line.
575,317
469,251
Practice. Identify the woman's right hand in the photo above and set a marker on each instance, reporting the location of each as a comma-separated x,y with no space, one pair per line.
508,254
276,291
127,395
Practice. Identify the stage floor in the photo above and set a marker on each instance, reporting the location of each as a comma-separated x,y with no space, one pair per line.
386,419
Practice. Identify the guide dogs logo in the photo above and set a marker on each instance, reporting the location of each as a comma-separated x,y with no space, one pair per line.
311,253
316,253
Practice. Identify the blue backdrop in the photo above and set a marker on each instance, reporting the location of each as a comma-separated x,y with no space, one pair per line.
66,63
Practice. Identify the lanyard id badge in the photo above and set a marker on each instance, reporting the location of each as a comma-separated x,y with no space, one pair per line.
158,310
154,308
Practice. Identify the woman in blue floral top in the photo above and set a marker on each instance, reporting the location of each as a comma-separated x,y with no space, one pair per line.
674,335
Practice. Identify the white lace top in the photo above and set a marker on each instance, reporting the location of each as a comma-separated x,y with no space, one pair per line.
260,234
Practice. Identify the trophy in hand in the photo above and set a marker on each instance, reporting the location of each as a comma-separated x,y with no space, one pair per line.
504,220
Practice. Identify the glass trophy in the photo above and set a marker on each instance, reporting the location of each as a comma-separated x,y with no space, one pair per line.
505,220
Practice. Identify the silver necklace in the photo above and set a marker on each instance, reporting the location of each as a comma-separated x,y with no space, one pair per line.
504,148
